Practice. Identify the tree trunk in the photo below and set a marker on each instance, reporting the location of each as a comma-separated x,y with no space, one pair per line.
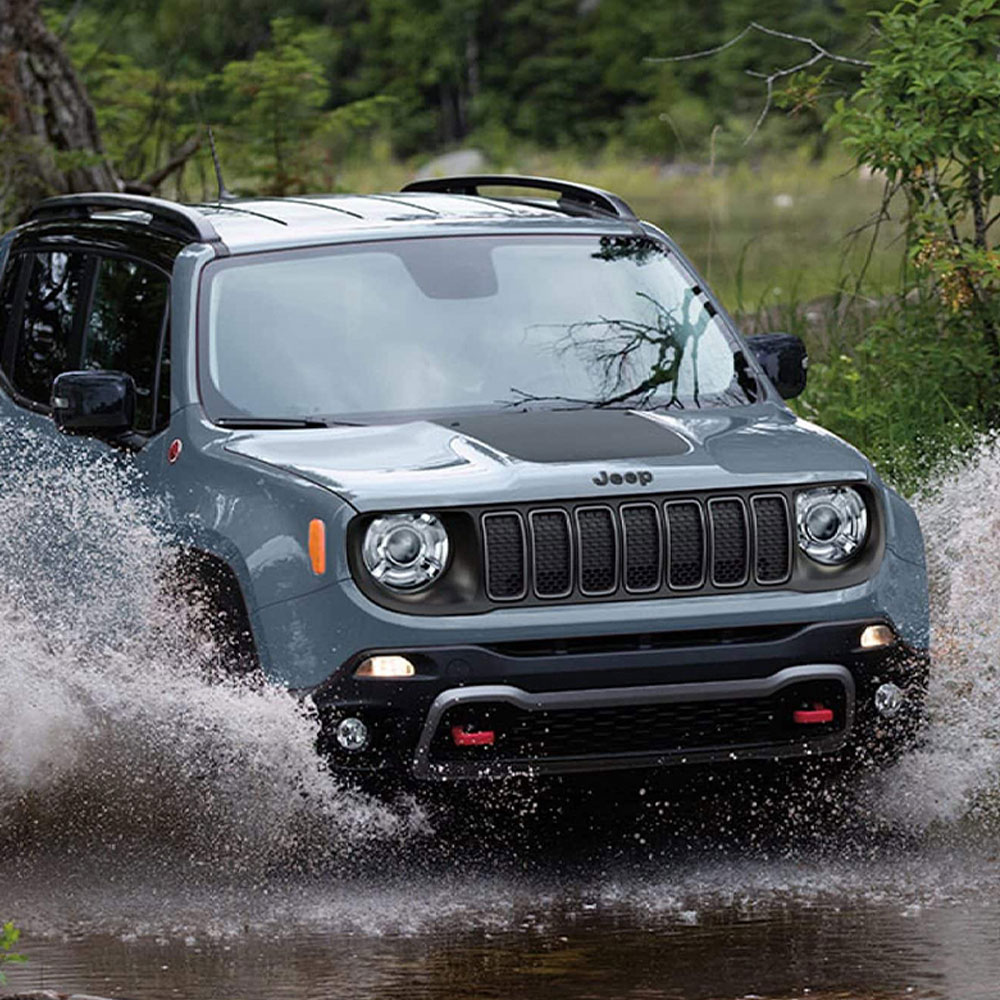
49,141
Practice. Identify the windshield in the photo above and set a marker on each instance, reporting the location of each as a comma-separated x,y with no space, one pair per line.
462,323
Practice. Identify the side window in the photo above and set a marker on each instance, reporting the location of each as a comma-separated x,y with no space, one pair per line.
46,346
125,328
9,286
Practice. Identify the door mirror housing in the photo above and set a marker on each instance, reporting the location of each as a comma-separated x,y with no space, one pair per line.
94,402
784,360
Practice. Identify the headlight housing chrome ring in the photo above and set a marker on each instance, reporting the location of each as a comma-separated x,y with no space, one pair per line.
831,523
406,552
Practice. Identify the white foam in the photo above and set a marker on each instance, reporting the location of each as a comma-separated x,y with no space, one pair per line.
114,733
955,774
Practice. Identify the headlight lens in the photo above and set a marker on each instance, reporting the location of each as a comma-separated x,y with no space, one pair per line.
405,551
832,523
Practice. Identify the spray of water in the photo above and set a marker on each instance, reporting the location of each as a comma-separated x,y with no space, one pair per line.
115,734
953,777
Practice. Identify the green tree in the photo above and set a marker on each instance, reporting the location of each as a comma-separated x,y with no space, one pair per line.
279,97
926,115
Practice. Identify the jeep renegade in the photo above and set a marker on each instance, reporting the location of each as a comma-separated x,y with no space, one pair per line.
495,481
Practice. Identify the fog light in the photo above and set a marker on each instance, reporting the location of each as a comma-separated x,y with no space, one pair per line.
386,666
889,700
352,734
877,636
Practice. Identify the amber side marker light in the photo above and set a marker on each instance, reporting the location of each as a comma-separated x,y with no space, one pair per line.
386,666
877,637
317,546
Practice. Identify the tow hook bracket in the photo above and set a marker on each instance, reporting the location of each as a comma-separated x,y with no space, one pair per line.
817,715
479,738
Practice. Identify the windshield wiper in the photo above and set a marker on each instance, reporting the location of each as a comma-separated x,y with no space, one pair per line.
273,423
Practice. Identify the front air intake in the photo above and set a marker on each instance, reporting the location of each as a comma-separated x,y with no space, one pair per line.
650,547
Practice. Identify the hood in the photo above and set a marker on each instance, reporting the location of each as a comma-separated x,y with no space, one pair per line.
574,454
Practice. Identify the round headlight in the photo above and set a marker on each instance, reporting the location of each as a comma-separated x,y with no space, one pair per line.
405,551
832,523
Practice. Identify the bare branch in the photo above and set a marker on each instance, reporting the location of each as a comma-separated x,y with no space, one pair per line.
153,180
819,53
705,52
813,44
769,80
882,215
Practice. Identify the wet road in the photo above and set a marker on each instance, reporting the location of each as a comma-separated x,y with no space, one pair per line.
548,903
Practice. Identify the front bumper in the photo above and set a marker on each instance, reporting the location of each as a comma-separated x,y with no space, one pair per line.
620,702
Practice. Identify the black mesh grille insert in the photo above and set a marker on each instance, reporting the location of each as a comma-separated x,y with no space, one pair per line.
553,559
730,544
773,542
504,534
637,547
686,544
644,728
642,547
598,550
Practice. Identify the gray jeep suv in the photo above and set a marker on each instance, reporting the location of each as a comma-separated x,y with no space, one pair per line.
494,481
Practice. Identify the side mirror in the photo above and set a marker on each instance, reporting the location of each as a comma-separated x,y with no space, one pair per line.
98,403
784,359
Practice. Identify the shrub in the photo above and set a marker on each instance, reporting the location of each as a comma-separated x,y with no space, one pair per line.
9,936
913,392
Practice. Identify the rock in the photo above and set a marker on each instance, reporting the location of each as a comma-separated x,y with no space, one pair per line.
461,161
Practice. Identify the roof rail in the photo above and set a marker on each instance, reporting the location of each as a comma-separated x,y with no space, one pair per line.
579,196
168,217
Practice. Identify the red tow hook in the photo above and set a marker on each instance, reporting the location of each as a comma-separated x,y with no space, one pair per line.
816,715
464,738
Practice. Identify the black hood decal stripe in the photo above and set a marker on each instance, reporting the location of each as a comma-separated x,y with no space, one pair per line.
572,435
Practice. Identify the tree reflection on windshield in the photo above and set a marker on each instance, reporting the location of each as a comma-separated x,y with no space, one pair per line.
639,362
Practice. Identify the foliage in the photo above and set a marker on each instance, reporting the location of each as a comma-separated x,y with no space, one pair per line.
550,73
9,936
143,113
926,115
911,393
279,97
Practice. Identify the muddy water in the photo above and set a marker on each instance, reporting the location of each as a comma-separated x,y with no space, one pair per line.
162,835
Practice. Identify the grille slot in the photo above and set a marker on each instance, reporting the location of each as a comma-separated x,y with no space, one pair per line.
685,545
772,528
730,542
553,554
643,547
506,555
597,545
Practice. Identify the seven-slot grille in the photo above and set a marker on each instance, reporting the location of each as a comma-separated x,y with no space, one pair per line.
638,548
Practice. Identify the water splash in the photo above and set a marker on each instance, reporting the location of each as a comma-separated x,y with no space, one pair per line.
114,733
954,776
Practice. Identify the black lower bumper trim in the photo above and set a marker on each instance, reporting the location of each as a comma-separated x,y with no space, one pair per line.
577,685
723,705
